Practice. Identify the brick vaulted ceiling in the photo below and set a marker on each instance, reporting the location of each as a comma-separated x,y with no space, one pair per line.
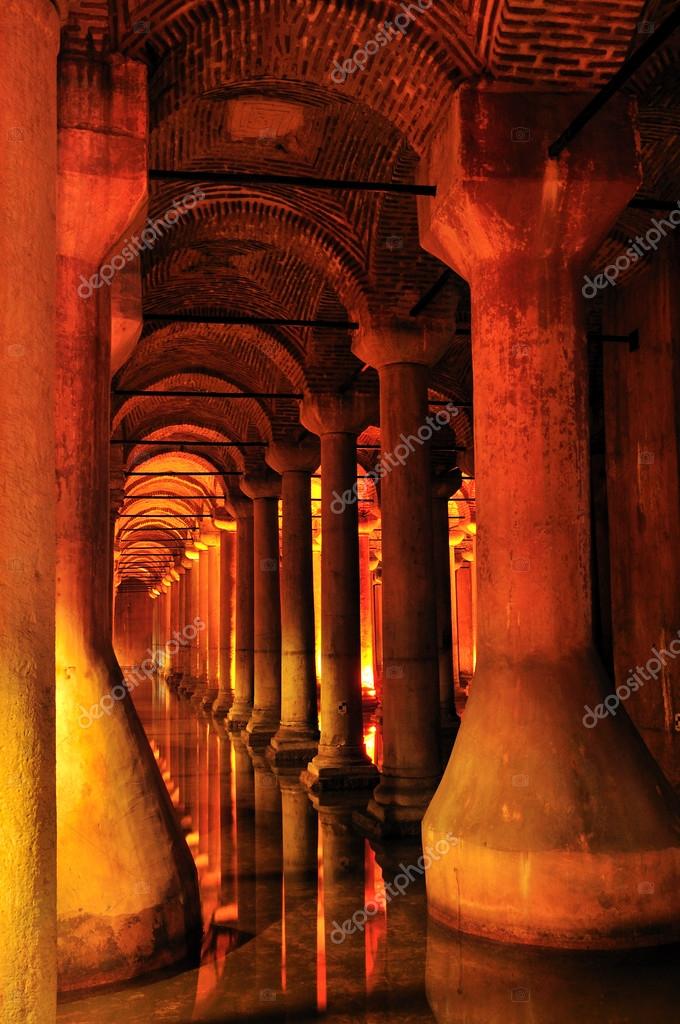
247,85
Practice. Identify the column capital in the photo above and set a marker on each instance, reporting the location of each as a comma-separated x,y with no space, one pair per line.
240,507
500,196
388,340
446,486
210,536
288,457
263,484
348,413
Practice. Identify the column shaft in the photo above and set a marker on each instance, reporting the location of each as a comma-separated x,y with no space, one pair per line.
29,41
266,714
241,709
225,696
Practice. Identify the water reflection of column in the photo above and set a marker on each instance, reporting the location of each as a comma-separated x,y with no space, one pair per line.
406,931
300,878
189,742
203,793
244,809
268,877
227,823
343,893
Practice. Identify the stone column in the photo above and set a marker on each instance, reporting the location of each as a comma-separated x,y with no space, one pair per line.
225,697
204,616
367,524
242,708
297,737
449,721
136,849
566,831
264,489
402,353
341,760
212,539
29,41
190,680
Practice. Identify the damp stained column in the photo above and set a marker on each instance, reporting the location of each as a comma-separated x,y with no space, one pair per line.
225,696
402,353
107,776
297,736
29,41
341,760
553,847
242,708
264,489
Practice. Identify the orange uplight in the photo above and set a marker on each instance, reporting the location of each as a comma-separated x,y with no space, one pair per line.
367,683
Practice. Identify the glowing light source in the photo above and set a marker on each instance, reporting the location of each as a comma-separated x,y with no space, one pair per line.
192,554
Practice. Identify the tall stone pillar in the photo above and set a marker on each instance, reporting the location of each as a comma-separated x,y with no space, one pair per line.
29,41
204,616
442,489
212,539
367,524
190,679
242,708
402,353
341,760
297,736
566,833
225,697
136,849
264,489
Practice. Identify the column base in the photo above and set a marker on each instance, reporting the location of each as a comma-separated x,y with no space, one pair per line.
340,771
291,746
559,827
239,715
222,704
209,697
397,807
259,730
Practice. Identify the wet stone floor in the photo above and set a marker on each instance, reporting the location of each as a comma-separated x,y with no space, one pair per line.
279,875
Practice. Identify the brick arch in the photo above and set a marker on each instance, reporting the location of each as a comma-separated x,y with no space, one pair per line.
253,358
251,414
197,47
318,233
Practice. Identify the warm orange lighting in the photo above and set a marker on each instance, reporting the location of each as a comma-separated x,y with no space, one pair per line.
367,683
192,554
200,545
229,525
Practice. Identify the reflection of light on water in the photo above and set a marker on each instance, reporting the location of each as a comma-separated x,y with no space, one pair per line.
367,684
369,741
376,926
321,993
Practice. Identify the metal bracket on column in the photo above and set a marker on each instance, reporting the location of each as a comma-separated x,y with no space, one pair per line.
632,339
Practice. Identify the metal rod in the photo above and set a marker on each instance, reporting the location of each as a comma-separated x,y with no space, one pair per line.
626,71
431,293
299,181
640,203
187,472
632,339
140,393
248,321
434,448
192,444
